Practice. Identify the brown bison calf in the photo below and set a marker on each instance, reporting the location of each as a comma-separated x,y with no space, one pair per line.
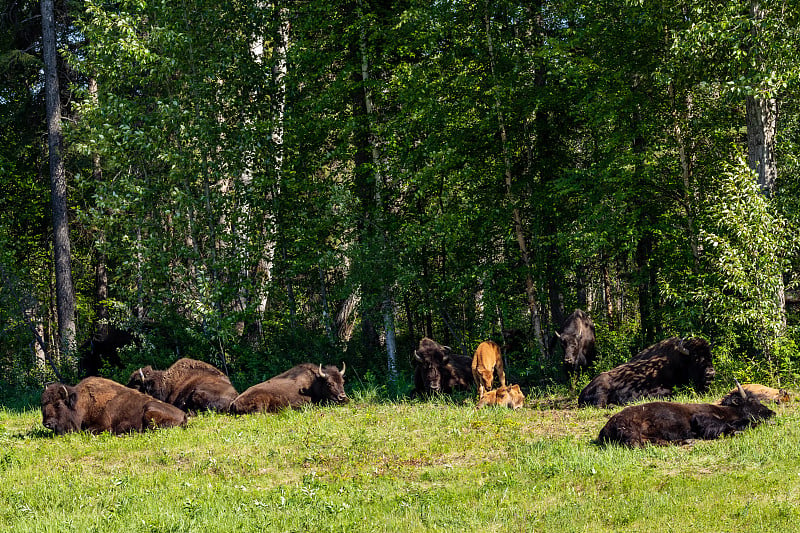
486,360
301,385
510,396
664,423
98,404
188,384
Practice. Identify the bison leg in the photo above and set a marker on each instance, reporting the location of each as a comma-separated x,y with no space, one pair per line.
501,373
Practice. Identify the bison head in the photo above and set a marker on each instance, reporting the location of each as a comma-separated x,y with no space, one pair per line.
148,381
573,350
748,404
329,384
59,408
430,357
700,367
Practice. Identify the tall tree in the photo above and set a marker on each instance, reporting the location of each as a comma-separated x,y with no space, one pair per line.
65,293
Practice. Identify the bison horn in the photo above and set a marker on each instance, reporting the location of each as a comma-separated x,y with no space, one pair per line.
66,392
141,374
321,373
741,389
558,334
344,366
416,356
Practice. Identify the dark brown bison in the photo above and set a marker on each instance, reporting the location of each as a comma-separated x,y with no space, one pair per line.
98,404
653,373
510,396
762,393
301,385
437,369
486,360
188,384
662,423
578,340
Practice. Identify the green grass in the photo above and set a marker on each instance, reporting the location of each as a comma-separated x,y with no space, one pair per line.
396,466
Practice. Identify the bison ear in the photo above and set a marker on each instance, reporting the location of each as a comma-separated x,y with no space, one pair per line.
70,396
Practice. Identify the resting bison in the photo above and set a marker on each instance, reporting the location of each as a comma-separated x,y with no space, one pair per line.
762,393
509,396
653,373
188,384
664,423
301,385
98,404
577,338
486,360
437,369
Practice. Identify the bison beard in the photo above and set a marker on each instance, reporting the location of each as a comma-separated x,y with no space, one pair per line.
663,423
437,369
578,340
301,385
188,384
98,404
653,373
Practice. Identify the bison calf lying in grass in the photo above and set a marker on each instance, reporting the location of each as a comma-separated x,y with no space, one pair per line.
760,392
98,404
486,360
664,423
510,396
301,385
188,384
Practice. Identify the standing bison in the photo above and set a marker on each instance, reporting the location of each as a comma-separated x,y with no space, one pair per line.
188,384
437,369
301,385
654,372
98,404
486,360
577,338
662,423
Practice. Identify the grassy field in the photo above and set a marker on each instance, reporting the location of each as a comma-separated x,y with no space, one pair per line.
396,466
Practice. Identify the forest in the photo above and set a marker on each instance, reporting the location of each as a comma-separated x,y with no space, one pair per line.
261,184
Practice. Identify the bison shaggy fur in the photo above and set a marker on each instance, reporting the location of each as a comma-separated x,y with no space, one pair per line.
97,404
188,384
653,373
301,385
506,396
485,362
437,369
662,423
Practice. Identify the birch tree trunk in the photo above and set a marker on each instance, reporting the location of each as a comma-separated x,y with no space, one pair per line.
762,124
65,294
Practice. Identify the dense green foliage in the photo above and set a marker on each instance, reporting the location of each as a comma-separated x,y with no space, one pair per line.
268,183
373,466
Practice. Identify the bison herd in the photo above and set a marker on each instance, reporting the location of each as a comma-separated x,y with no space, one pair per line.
164,398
